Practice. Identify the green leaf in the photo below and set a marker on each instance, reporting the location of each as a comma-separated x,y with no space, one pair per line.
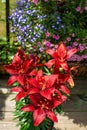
47,71
15,84
59,109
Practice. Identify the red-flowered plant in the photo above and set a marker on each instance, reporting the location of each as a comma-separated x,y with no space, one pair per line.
41,88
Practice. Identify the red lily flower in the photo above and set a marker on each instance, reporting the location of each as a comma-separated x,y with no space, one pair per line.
42,108
62,81
43,84
65,78
23,91
60,56
19,68
20,54
63,88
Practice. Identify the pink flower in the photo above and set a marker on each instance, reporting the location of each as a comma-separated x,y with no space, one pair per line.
85,8
78,9
38,43
35,1
68,39
73,34
75,44
47,34
84,56
57,37
56,46
77,39
81,11
46,42
65,42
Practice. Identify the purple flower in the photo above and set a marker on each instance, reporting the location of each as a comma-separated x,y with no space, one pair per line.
75,44
47,43
56,37
41,49
84,56
69,47
81,47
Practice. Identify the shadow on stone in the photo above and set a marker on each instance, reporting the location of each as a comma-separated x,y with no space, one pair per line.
3,96
76,110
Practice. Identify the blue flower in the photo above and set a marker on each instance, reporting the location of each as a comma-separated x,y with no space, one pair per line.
30,24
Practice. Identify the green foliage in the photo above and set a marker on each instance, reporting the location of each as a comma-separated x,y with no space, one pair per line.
59,109
25,119
74,21
7,50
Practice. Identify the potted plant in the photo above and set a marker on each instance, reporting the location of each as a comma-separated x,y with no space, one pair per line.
41,87
40,73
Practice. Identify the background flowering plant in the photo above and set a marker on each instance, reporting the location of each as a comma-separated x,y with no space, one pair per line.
37,26
41,24
41,88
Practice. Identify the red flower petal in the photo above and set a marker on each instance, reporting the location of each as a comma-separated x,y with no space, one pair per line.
28,108
63,98
38,115
35,98
26,65
40,73
52,116
34,82
33,72
50,63
64,89
16,58
20,95
11,80
57,102
20,79
33,90
64,66
61,51
52,52
10,69
50,80
16,89
47,93
71,52
70,81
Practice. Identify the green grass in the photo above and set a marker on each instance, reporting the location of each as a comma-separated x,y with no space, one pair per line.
3,17
7,50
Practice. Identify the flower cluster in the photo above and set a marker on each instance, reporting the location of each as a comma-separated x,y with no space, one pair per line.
36,1
46,86
31,22
80,43
76,34
80,10
39,25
